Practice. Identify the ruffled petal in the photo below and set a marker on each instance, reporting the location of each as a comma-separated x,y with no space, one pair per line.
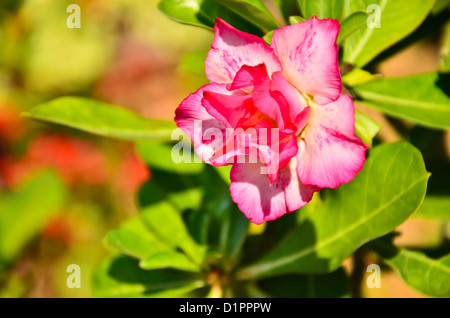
296,104
227,108
206,132
268,95
330,153
309,55
261,201
231,49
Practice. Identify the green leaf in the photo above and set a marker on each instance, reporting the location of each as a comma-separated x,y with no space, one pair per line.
268,37
434,207
288,8
293,19
440,5
254,11
444,49
202,13
323,9
170,259
160,156
333,285
224,173
398,18
427,275
182,190
25,211
167,224
366,128
233,233
134,239
423,99
100,119
121,277
390,187
352,23
357,77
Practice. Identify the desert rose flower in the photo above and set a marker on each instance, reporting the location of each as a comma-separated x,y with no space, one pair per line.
276,113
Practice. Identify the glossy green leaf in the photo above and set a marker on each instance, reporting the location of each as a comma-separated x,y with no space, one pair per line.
100,119
296,19
224,173
288,8
268,37
254,11
233,233
166,157
202,13
366,128
182,190
351,24
423,99
397,19
323,9
134,239
440,5
429,276
357,77
390,187
25,211
168,225
444,49
121,277
333,285
170,259
434,207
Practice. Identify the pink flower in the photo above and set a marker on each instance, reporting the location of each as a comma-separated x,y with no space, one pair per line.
292,88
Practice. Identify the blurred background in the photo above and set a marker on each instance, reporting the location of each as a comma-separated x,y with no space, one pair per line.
61,190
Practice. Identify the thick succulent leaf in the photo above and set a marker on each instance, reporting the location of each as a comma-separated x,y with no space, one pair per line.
323,9
383,195
100,119
397,18
121,277
366,128
423,99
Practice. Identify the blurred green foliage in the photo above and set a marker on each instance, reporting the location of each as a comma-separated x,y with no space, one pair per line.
178,233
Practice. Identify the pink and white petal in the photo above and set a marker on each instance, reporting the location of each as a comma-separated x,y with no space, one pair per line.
247,75
309,55
329,152
231,49
297,103
272,104
248,144
204,130
227,108
261,201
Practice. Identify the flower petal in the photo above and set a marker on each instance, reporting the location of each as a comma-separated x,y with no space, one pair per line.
261,201
231,49
309,55
295,101
268,94
227,108
192,118
330,153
